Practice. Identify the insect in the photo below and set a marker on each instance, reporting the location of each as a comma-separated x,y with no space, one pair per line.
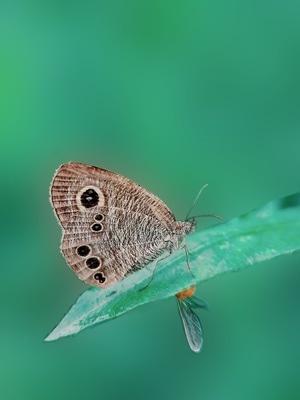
112,227
190,320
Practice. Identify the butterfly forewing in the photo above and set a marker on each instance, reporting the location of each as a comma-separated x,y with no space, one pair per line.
110,224
192,326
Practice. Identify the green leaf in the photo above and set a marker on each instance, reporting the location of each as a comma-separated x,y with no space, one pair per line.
260,235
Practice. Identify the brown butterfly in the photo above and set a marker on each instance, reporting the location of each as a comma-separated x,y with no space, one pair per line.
111,225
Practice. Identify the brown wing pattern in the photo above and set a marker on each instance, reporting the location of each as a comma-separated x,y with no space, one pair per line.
110,223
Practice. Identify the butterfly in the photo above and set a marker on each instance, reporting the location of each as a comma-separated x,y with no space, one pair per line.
112,226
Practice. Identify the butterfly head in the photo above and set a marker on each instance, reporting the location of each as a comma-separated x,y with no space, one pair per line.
186,227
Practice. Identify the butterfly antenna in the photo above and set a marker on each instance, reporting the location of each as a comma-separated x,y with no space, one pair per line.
195,201
206,215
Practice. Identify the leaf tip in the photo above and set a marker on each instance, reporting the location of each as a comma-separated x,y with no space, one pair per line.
51,337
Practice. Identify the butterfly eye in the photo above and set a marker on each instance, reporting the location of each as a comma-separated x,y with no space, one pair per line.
83,250
93,262
89,198
97,227
99,277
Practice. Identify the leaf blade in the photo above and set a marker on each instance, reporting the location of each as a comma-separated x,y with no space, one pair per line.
262,234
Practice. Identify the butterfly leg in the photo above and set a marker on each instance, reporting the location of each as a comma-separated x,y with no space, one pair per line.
186,250
187,259
153,271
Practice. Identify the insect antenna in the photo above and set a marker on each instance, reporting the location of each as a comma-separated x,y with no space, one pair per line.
195,201
204,215
188,218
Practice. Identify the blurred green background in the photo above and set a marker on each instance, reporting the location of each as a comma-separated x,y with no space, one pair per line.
173,95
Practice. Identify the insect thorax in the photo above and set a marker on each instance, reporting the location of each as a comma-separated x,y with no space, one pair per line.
181,229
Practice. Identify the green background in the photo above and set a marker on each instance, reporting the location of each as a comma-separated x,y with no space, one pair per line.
173,95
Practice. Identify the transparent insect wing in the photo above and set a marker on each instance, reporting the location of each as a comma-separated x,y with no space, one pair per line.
195,302
192,326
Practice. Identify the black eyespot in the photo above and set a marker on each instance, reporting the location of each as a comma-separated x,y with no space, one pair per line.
89,198
96,227
93,262
99,277
83,251
98,217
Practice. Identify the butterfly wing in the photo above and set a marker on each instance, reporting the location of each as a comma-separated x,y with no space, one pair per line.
192,326
110,224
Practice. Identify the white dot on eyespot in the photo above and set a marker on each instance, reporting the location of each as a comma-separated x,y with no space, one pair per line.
83,192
